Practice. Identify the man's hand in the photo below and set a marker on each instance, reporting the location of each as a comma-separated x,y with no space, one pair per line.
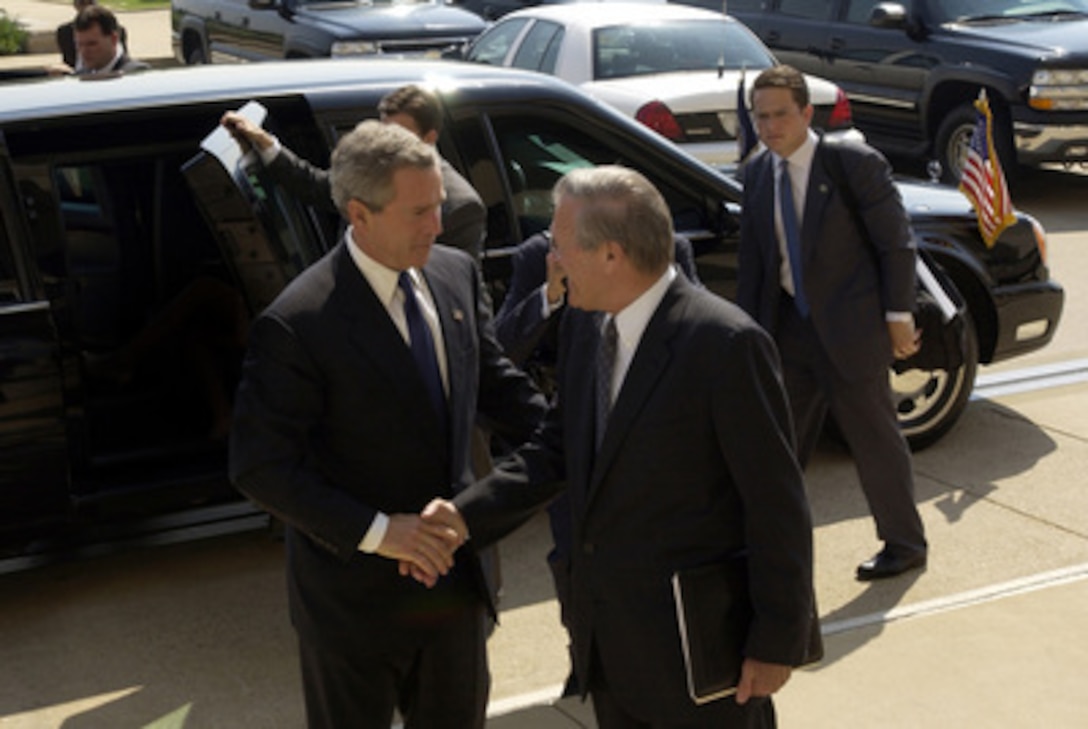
443,513
423,549
906,340
246,132
760,679
557,282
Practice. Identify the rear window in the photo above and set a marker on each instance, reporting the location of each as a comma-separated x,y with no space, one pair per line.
620,51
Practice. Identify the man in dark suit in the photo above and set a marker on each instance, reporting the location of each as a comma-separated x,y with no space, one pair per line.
464,217
66,36
359,392
692,464
527,326
839,303
99,46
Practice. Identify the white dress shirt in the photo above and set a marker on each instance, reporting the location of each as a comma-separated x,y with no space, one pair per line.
383,281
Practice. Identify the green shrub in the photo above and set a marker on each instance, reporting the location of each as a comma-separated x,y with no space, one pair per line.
12,35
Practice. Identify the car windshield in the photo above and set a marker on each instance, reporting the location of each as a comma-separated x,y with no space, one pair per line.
945,11
683,45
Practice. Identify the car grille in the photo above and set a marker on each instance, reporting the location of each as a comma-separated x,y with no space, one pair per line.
420,46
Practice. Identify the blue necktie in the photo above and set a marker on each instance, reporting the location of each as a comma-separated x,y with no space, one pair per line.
422,345
793,236
606,366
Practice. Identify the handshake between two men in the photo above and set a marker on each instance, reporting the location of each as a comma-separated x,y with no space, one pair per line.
424,544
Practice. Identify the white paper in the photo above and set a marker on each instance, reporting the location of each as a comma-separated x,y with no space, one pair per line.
933,286
221,144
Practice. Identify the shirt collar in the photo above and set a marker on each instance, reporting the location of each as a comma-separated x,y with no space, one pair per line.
802,156
381,278
631,322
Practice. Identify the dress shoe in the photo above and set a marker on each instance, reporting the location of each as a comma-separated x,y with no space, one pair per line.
889,564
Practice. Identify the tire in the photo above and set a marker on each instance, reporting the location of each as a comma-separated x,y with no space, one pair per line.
929,402
195,56
954,136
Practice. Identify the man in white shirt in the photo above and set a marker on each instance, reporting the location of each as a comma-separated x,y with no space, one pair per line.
826,265
671,439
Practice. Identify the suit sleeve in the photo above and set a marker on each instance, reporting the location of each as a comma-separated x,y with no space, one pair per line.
751,273
277,404
464,217
509,404
520,322
684,257
754,432
304,181
887,227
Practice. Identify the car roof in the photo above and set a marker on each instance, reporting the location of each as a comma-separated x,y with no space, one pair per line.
73,96
596,14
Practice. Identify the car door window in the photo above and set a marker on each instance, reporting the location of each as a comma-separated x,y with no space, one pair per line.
493,46
811,9
540,47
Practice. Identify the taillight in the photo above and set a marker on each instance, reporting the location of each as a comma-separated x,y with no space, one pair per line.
659,117
840,118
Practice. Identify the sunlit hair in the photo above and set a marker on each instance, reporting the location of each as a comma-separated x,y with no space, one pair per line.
93,15
619,204
418,103
365,160
784,77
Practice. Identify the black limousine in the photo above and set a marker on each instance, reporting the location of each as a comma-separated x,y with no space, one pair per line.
110,210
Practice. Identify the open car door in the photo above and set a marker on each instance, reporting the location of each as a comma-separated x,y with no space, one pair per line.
265,236
35,479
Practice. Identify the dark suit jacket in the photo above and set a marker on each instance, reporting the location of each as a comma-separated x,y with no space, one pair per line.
332,424
464,217
852,277
696,466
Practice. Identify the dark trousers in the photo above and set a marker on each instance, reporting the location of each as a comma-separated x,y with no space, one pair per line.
436,678
864,411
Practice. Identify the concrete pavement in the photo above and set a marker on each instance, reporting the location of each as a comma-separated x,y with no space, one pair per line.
994,633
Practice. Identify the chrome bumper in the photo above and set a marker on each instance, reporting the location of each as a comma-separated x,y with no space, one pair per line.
1037,143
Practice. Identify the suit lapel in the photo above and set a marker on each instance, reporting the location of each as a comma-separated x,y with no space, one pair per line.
817,196
372,333
650,361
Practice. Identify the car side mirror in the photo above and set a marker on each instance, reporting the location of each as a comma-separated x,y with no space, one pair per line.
888,15
894,16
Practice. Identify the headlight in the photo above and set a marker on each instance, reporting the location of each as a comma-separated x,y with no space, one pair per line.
1059,89
353,48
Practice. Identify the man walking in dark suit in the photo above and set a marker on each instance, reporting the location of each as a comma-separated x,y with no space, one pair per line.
671,434
464,217
359,392
827,267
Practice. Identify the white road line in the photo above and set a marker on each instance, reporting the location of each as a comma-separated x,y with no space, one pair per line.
1028,379
547,696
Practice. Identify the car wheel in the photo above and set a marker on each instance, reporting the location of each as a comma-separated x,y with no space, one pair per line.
954,137
195,56
929,402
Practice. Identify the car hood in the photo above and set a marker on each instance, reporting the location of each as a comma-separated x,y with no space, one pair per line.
354,20
1066,39
688,91
932,199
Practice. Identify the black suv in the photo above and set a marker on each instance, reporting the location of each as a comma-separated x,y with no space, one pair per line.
111,213
205,31
912,70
